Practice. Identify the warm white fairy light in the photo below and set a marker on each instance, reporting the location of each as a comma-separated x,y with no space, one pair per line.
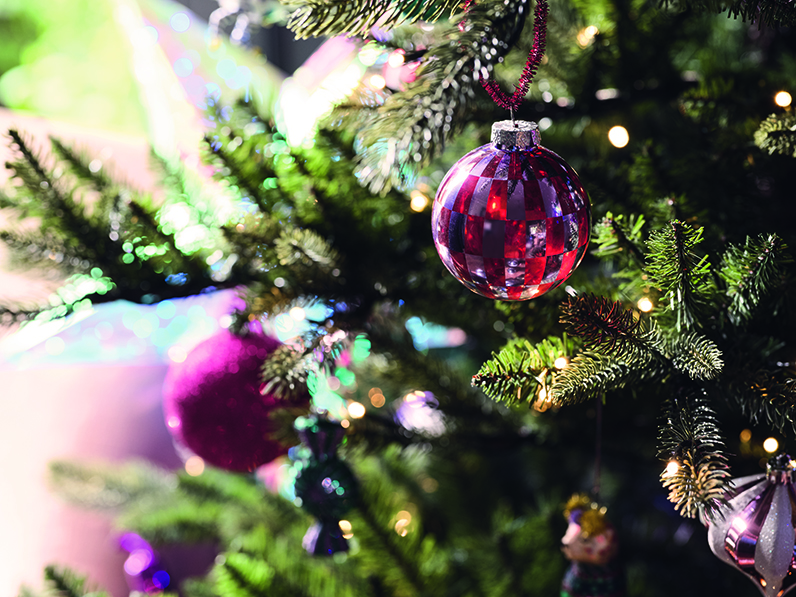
356,410
783,99
419,201
378,82
618,136
671,468
194,466
771,445
644,304
586,35
561,362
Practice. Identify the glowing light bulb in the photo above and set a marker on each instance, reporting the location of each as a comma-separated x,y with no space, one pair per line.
644,304
298,313
356,410
194,466
419,201
346,527
561,362
618,136
542,394
771,445
586,35
378,82
396,59
783,99
746,435
671,468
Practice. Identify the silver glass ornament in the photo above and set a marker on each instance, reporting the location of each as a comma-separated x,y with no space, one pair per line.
755,532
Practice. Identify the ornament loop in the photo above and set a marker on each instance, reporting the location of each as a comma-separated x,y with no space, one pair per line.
515,134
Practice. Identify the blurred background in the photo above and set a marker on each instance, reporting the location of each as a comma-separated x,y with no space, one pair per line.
111,77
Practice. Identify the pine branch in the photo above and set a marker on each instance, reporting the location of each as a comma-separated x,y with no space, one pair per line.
690,435
108,486
777,134
769,12
307,249
697,356
243,576
66,583
767,397
608,327
615,235
520,369
316,18
412,126
238,170
286,371
80,165
683,277
751,272
591,374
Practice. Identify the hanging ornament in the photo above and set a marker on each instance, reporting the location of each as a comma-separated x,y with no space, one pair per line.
325,484
590,544
511,219
755,532
213,404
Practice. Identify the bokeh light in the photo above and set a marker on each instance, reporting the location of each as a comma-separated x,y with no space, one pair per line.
618,136
644,304
783,99
194,466
746,435
771,445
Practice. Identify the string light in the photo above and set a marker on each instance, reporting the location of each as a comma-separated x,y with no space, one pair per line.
770,445
194,466
644,304
586,35
346,527
746,435
396,59
671,468
561,362
404,518
419,201
356,410
618,136
378,82
783,99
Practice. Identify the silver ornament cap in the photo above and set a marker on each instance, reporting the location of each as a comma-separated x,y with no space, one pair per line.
508,134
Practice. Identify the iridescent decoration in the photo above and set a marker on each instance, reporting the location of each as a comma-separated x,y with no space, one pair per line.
511,219
325,485
756,531
591,546
142,568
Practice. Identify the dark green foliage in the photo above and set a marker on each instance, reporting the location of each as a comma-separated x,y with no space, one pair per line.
777,134
683,277
769,12
521,369
751,272
690,436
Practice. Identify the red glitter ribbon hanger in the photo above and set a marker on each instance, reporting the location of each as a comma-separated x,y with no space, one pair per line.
513,101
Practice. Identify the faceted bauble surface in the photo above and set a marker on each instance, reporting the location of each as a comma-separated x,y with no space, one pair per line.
511,224
212,402
327,488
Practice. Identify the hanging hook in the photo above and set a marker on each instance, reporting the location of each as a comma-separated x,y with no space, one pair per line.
511,111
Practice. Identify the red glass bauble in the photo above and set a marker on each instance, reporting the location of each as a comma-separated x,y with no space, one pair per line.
511,219
213,405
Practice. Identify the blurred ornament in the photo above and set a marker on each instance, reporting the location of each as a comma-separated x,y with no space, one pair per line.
213,405
142,568
590,544
325,484
755,533
511,219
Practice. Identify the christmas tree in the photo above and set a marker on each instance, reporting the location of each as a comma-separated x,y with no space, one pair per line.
647,379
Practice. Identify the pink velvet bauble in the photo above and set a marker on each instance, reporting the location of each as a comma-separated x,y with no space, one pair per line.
212,402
